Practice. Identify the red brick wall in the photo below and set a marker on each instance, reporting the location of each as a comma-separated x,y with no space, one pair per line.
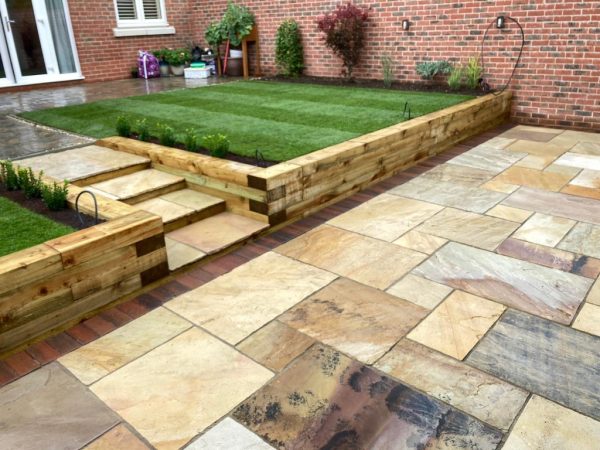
106,57
558,83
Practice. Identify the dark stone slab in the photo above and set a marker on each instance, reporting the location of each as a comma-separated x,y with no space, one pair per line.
557,362
326,400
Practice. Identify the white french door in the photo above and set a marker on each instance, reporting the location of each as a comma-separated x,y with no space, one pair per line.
36,42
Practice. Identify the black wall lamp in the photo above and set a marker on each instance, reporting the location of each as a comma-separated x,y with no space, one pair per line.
500,22
405,25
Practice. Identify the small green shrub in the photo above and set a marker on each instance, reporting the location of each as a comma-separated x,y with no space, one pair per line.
29,184
55,195
217,144
166,135
388,71
289,55
178,57
143,130
190,140
429,69
473,72
123,126
9,176
456,78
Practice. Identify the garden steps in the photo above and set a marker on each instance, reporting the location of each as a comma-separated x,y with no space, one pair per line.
139,186
183,207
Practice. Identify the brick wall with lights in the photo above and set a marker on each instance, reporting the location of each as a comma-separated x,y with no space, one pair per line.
557,83
105,57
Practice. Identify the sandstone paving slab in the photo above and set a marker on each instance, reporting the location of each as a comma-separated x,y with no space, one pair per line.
326,400
540,148
218,232
582,136
457,324
497,186
191,199
588,319
564,170
544,229
548,293
488,158
581,191
180,254
536,162
358,320
587,178
275,345
118,438
580,160
137,183
538,179
449,194
236,304
167,210
475,392
178,389
468,228
556,204
112,351
420,291
366,260
543,357
420,242
229,435
551,257
508,213
584,238
385,217
587,148
594,294
528,133
544,425
50,408
459,174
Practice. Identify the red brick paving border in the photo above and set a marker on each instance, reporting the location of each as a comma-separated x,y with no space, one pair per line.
44,352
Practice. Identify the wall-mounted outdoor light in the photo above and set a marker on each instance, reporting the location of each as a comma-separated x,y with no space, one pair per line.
500,22
405,24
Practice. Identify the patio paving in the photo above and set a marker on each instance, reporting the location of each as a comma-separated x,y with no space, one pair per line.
455,308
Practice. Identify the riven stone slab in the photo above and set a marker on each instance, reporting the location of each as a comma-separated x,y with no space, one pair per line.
556,204
588,319
229,435
548,293
584,238
420,291
488,158
557,362
116,439
450,194
524,176
325,400
454,173
579,160
468,389
544,230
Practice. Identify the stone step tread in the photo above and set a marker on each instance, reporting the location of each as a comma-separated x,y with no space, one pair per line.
195,200
218,232
136,184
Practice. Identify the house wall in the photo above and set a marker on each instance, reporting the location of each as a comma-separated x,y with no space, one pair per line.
106,57
557,84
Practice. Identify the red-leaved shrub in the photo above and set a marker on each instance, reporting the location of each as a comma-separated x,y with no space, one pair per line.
344,30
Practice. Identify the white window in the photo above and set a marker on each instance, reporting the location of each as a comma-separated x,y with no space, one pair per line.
141,17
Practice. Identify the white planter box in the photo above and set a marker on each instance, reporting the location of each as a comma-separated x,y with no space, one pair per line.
197,73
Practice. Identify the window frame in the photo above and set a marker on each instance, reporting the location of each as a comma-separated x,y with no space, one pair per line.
139,9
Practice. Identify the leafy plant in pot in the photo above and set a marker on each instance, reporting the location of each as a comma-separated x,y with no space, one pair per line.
236,24
161,55
177,59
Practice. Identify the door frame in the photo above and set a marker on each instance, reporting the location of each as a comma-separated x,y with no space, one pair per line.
8,48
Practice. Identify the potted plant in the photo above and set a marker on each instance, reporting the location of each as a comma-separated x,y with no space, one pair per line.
161,55
236,24
177,59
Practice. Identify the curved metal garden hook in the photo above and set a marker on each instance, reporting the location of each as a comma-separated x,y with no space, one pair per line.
95,206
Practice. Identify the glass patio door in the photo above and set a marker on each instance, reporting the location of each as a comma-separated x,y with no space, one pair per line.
38,42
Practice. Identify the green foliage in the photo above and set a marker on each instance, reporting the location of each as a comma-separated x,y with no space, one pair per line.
388,71
215,35
166,135
473,72
55,195
29,183
429,69
190,140
123,126
217,144
143,130
344,31
289,55
178,57
237,23
456,78
9,176
161,54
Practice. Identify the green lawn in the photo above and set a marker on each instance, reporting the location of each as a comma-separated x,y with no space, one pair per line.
21,228
282,120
